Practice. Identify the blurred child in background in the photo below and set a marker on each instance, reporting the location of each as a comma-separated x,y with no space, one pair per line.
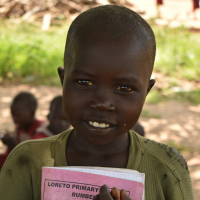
23,109
138,128
57,121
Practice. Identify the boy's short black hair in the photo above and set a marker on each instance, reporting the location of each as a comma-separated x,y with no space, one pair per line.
55,103
29,101
119,21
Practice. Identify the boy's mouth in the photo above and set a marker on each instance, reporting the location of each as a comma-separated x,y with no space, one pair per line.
98,125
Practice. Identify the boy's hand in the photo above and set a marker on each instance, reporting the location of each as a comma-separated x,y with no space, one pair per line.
115,194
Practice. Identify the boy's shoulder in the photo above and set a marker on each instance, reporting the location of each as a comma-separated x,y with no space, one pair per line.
38,142
37,147
163,153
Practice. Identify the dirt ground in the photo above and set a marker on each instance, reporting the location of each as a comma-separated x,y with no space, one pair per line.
175,121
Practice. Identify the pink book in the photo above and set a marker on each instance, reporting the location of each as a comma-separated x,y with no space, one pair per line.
76,183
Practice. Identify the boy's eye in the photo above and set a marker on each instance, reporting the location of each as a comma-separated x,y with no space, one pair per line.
85,83
124,88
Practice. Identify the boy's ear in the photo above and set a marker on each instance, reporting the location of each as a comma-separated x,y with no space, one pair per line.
151,84
61,74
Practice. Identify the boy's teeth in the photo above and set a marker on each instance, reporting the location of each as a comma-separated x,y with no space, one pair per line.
102,125
95,124
99,125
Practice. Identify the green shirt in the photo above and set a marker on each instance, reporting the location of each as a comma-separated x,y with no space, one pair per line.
165,175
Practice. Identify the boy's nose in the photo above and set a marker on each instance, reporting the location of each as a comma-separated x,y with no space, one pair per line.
102,105
102,101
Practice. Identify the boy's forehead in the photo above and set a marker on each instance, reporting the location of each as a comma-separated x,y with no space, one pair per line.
112,33
85,40
97,44
109,24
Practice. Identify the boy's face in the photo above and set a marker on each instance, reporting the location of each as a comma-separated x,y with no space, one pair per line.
104,89
22,117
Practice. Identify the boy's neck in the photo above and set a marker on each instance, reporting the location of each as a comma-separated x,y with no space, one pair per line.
116,146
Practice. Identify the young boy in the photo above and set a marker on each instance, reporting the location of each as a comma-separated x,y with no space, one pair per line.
57,120
108,61
23,109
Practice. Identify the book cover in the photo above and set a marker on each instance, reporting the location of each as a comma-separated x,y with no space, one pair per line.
62,184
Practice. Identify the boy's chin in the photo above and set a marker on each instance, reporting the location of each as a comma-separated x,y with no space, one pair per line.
97,140
103,141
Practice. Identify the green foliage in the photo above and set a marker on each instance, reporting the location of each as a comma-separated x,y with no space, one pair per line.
147,114
191,96
178,53
27,52
154,97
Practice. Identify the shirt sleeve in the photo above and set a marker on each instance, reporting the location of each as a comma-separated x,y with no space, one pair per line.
15,176
166,172
184,179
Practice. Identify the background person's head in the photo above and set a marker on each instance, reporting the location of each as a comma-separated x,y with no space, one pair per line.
57,120
138,128
23,109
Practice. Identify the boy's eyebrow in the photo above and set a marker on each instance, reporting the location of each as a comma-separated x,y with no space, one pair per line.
82,72
129,79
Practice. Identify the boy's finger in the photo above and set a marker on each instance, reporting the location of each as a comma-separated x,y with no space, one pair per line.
96,197
123,195
104,193
115,193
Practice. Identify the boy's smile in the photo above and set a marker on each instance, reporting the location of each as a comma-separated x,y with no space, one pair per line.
104,88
